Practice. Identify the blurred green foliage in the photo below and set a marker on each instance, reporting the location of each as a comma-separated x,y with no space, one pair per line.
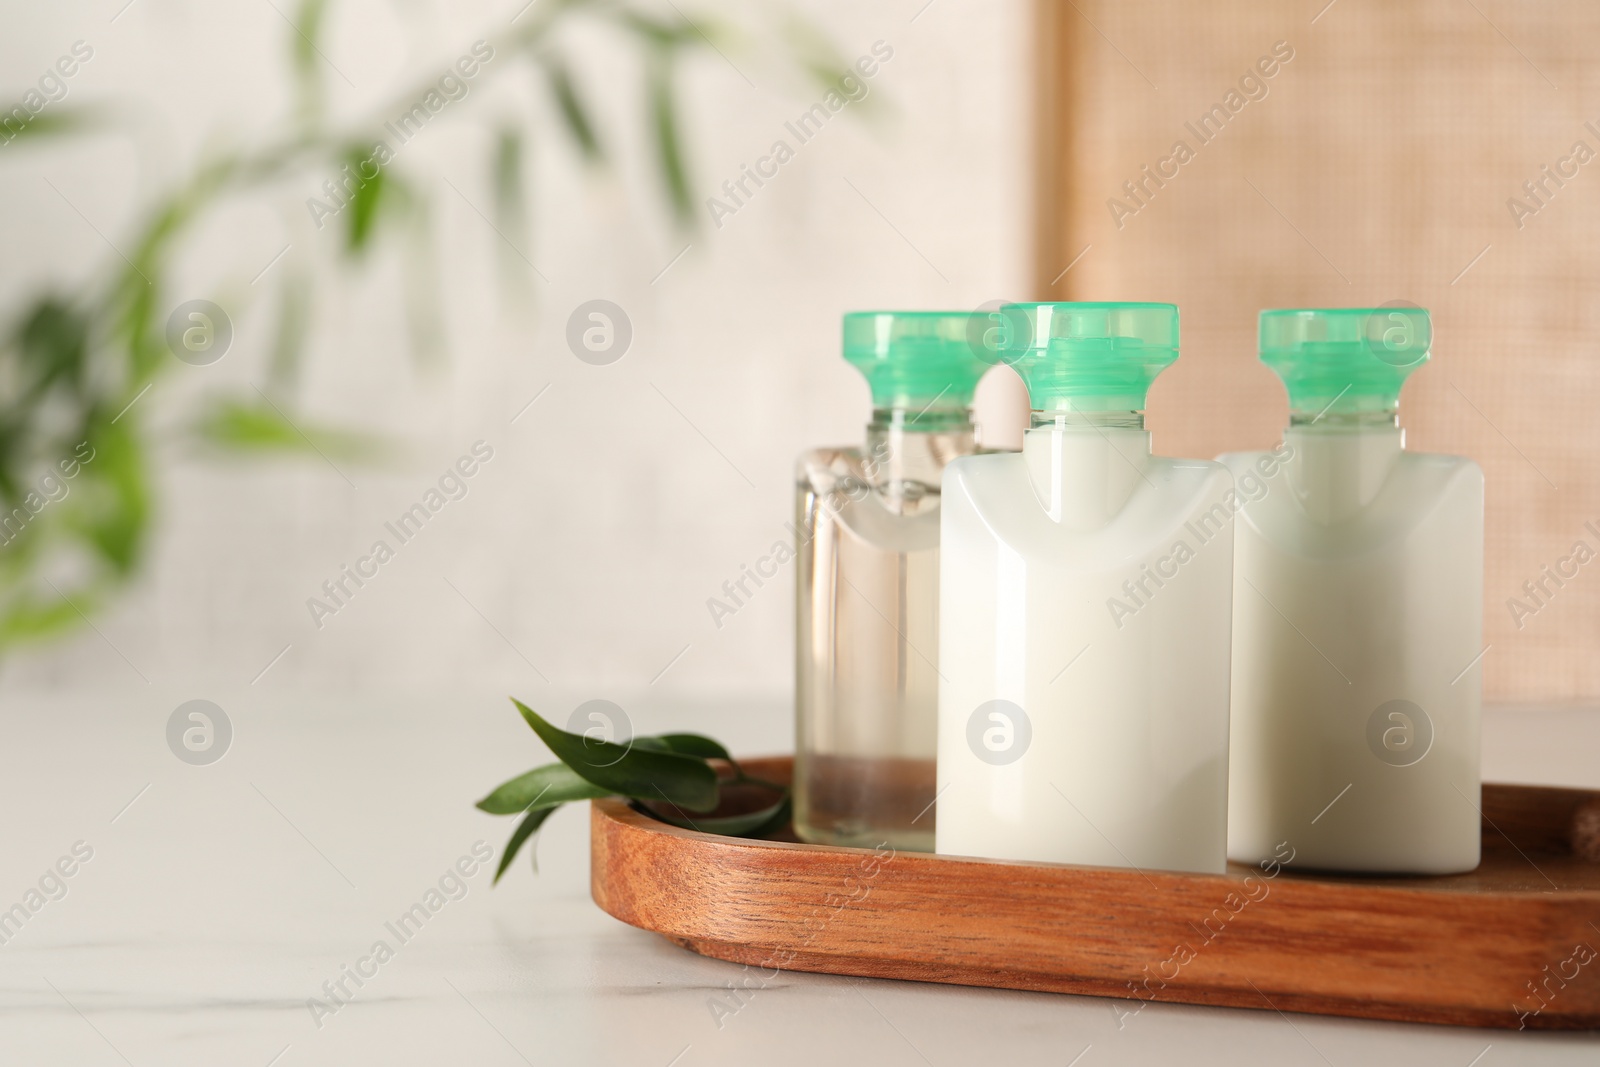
74,364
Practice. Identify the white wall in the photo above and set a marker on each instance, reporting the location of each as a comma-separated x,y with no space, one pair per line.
607,517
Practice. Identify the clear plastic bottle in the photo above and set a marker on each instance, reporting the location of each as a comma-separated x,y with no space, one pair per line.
1085,592
867,618
1358,617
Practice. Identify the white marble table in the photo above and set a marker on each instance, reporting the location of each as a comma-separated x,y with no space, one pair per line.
218,899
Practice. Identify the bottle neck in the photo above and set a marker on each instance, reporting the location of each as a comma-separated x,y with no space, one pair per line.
1346,421
1340,461
907,449
1089,420
1084,465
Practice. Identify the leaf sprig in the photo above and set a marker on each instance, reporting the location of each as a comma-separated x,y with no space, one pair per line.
671,772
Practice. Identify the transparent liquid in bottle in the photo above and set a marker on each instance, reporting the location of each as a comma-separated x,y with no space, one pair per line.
867,641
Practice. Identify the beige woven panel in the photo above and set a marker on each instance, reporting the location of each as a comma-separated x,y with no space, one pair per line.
1374,164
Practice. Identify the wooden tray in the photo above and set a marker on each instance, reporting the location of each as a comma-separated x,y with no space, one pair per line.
1511,944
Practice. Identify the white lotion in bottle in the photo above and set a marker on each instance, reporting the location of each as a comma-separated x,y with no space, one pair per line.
1358,617
1085,590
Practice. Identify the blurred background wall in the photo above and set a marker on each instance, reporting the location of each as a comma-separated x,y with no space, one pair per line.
580,561
1371,153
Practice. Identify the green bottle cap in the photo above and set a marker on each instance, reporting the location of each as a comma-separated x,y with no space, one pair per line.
1089,357
918,359
1345,359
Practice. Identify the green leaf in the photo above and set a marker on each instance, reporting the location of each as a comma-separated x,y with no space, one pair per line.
28,618
696,745
525,829
751,824
53,121
691,745
241,426
308,61
109,506
137,324
574,112
656,32
362,211
543,787
511,210
508,188
664,126
632,770
307,28
53,341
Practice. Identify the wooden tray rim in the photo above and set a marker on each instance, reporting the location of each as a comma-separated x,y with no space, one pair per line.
621,810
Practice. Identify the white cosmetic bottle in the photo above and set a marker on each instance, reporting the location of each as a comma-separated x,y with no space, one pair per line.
1085,591
1358,617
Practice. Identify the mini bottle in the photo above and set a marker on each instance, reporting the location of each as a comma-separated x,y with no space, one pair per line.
1358,618
1085,589
867,619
